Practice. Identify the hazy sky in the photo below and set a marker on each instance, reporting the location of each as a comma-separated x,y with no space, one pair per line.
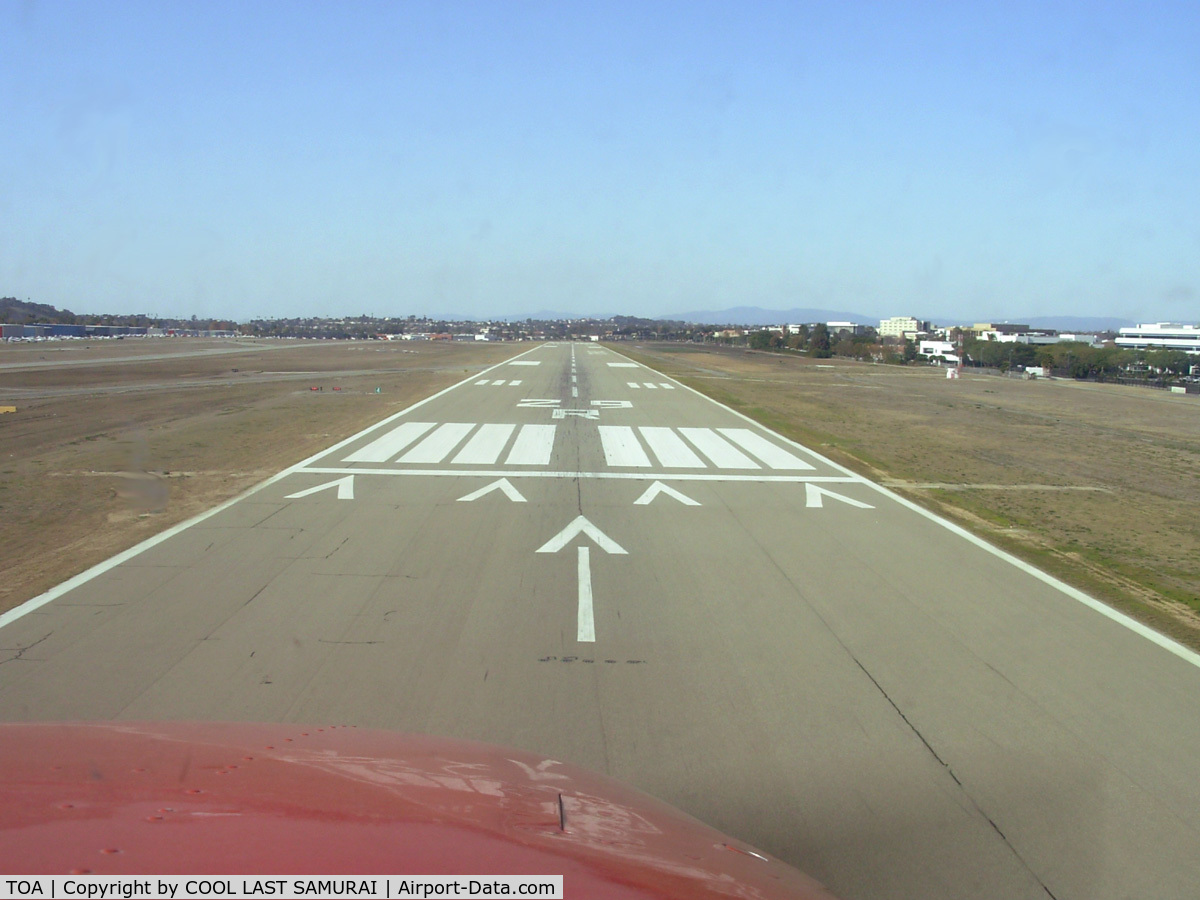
954,161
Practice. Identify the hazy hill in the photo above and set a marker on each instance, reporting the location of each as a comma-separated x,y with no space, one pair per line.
756,315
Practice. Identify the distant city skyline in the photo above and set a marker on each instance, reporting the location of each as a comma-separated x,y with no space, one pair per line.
952,162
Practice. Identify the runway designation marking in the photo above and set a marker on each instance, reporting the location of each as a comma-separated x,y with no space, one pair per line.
503,485
345,489
581,413
538,403
659,488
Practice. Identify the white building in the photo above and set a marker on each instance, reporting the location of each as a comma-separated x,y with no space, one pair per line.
1161,336
944,349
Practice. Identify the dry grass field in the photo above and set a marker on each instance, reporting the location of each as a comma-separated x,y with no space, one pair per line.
1097,484
113,441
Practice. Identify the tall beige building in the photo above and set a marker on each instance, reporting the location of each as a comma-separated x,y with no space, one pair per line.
896,326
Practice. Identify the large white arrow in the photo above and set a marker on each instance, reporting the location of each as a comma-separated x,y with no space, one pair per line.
659,488
345,488
581,525
813,495
585,629
502,484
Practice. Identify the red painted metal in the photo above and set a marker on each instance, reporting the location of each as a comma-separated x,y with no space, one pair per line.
237,799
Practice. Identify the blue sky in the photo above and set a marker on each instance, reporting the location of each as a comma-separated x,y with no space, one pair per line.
953,161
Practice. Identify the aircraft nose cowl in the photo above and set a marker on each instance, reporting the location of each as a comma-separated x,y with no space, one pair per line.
203,798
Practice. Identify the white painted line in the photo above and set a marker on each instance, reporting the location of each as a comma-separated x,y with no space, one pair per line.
1174,647
503,485
772,454
574,392
574,379
659,488
624,365
634,385
621,447
485,445
482,381
585,629
667,387
435,447
723,454
384,448
650,385
670,449
526,362
631,476
533,446
514,383
814,494
345,489
36,603
613,404
538,403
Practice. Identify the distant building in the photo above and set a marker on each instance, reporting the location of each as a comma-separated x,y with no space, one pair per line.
944,349
899,326
1000,328
1161,336
852,327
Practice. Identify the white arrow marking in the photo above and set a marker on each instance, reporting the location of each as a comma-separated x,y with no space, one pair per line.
659,488
502,484
581,526
585,628
814,494
345,488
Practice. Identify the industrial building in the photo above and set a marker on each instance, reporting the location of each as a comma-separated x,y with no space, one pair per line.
1161,336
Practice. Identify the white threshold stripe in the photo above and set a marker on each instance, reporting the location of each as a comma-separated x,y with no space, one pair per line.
1174,647
36,603
657,475
621,447
670,449
485,446
498,381
435,447
723,454
772,454
634,385
533,446
384,448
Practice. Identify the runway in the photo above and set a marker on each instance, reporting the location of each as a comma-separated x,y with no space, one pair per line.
575,555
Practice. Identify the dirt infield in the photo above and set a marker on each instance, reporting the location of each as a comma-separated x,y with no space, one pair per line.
1097,484
114,441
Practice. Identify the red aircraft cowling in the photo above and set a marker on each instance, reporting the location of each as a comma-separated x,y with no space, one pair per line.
171,798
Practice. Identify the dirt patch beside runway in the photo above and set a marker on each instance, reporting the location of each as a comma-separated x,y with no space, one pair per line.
1097,484
104,454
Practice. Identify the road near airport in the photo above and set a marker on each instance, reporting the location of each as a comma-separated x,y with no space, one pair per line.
572,554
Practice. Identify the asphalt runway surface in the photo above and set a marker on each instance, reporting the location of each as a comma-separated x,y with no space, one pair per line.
577,556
